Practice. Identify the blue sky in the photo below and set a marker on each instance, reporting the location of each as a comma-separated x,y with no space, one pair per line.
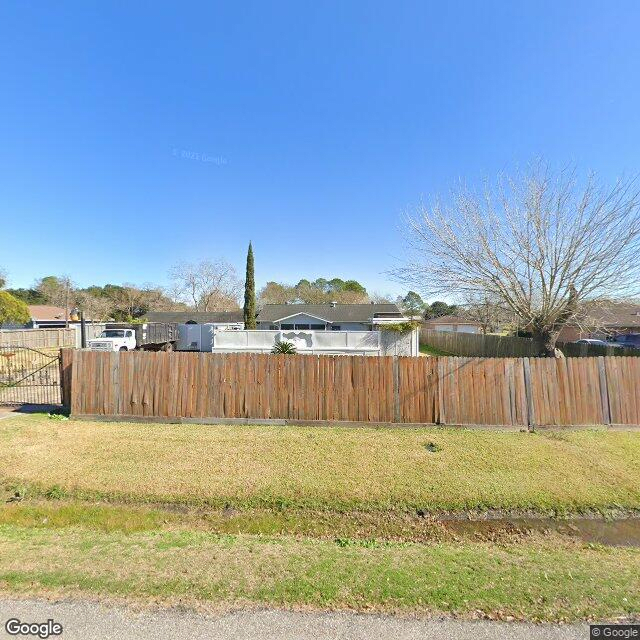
305,127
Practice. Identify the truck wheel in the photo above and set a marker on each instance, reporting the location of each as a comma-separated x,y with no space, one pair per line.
123,349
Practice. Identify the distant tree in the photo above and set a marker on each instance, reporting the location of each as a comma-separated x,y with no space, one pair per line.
206,286
486,311
58,291
412,304
438,309
355,287
13,310
28,296
319,291
94,307
277,293
308,293
123,303
380,298
3,278
250,292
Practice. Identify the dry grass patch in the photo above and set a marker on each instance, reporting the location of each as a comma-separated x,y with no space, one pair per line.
338,469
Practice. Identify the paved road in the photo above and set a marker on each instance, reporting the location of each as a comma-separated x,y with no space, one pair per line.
91,621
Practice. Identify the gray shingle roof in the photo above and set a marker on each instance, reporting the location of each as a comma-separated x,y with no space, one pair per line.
614,315
199,317
337,313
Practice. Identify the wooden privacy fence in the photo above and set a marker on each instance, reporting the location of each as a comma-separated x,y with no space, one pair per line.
386,389
490,346
38,338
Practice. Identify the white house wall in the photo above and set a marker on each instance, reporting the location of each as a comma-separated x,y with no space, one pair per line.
303,318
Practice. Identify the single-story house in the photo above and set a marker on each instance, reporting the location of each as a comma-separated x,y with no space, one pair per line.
45,316
609,320
454,324
328,317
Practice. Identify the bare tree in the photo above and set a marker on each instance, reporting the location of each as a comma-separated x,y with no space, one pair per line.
206,286
380,298
485,310
93,307
58,291
541,244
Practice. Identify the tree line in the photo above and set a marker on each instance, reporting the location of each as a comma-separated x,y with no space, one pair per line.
202,286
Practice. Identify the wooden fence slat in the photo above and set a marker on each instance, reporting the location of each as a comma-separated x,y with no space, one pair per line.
444,390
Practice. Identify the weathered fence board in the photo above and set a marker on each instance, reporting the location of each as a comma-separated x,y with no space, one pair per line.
444,390
477,345
38,338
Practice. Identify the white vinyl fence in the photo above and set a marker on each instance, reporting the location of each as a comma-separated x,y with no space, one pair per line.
317,342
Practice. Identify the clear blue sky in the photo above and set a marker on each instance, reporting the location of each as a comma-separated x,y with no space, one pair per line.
318,122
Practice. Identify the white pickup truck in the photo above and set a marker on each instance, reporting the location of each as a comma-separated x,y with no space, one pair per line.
114,340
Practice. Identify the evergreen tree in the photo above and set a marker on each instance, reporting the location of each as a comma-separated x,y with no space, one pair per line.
250,293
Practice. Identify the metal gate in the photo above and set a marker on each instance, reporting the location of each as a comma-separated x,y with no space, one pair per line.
29,376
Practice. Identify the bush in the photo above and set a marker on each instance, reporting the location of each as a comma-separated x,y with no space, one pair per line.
283,347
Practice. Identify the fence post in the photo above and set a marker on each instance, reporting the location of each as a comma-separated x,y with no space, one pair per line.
66,367
604,390
528,392
441,373
397,417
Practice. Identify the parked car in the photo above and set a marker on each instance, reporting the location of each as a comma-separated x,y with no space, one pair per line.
629,340
600,343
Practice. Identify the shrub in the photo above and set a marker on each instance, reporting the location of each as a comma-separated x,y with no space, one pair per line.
13,310
282,346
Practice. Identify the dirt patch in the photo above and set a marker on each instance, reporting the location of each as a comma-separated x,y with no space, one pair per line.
357,526
618,533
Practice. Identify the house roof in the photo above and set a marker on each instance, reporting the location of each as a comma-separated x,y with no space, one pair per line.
451,320
46,312
199,317
329,312
616,315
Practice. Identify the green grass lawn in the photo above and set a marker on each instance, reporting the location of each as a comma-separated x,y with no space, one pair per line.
334,469
432,351
544,579
330,518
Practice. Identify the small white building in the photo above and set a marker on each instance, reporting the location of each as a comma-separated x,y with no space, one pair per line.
453,324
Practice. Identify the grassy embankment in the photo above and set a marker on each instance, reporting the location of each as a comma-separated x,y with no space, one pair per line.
331,518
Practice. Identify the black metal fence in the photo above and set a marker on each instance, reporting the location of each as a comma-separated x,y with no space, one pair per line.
29,376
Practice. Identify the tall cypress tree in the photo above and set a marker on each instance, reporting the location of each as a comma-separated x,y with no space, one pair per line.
250,293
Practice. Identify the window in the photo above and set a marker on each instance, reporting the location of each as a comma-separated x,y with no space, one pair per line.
272,327
286,327
317,327
302,326
112,333
335,327
129,334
